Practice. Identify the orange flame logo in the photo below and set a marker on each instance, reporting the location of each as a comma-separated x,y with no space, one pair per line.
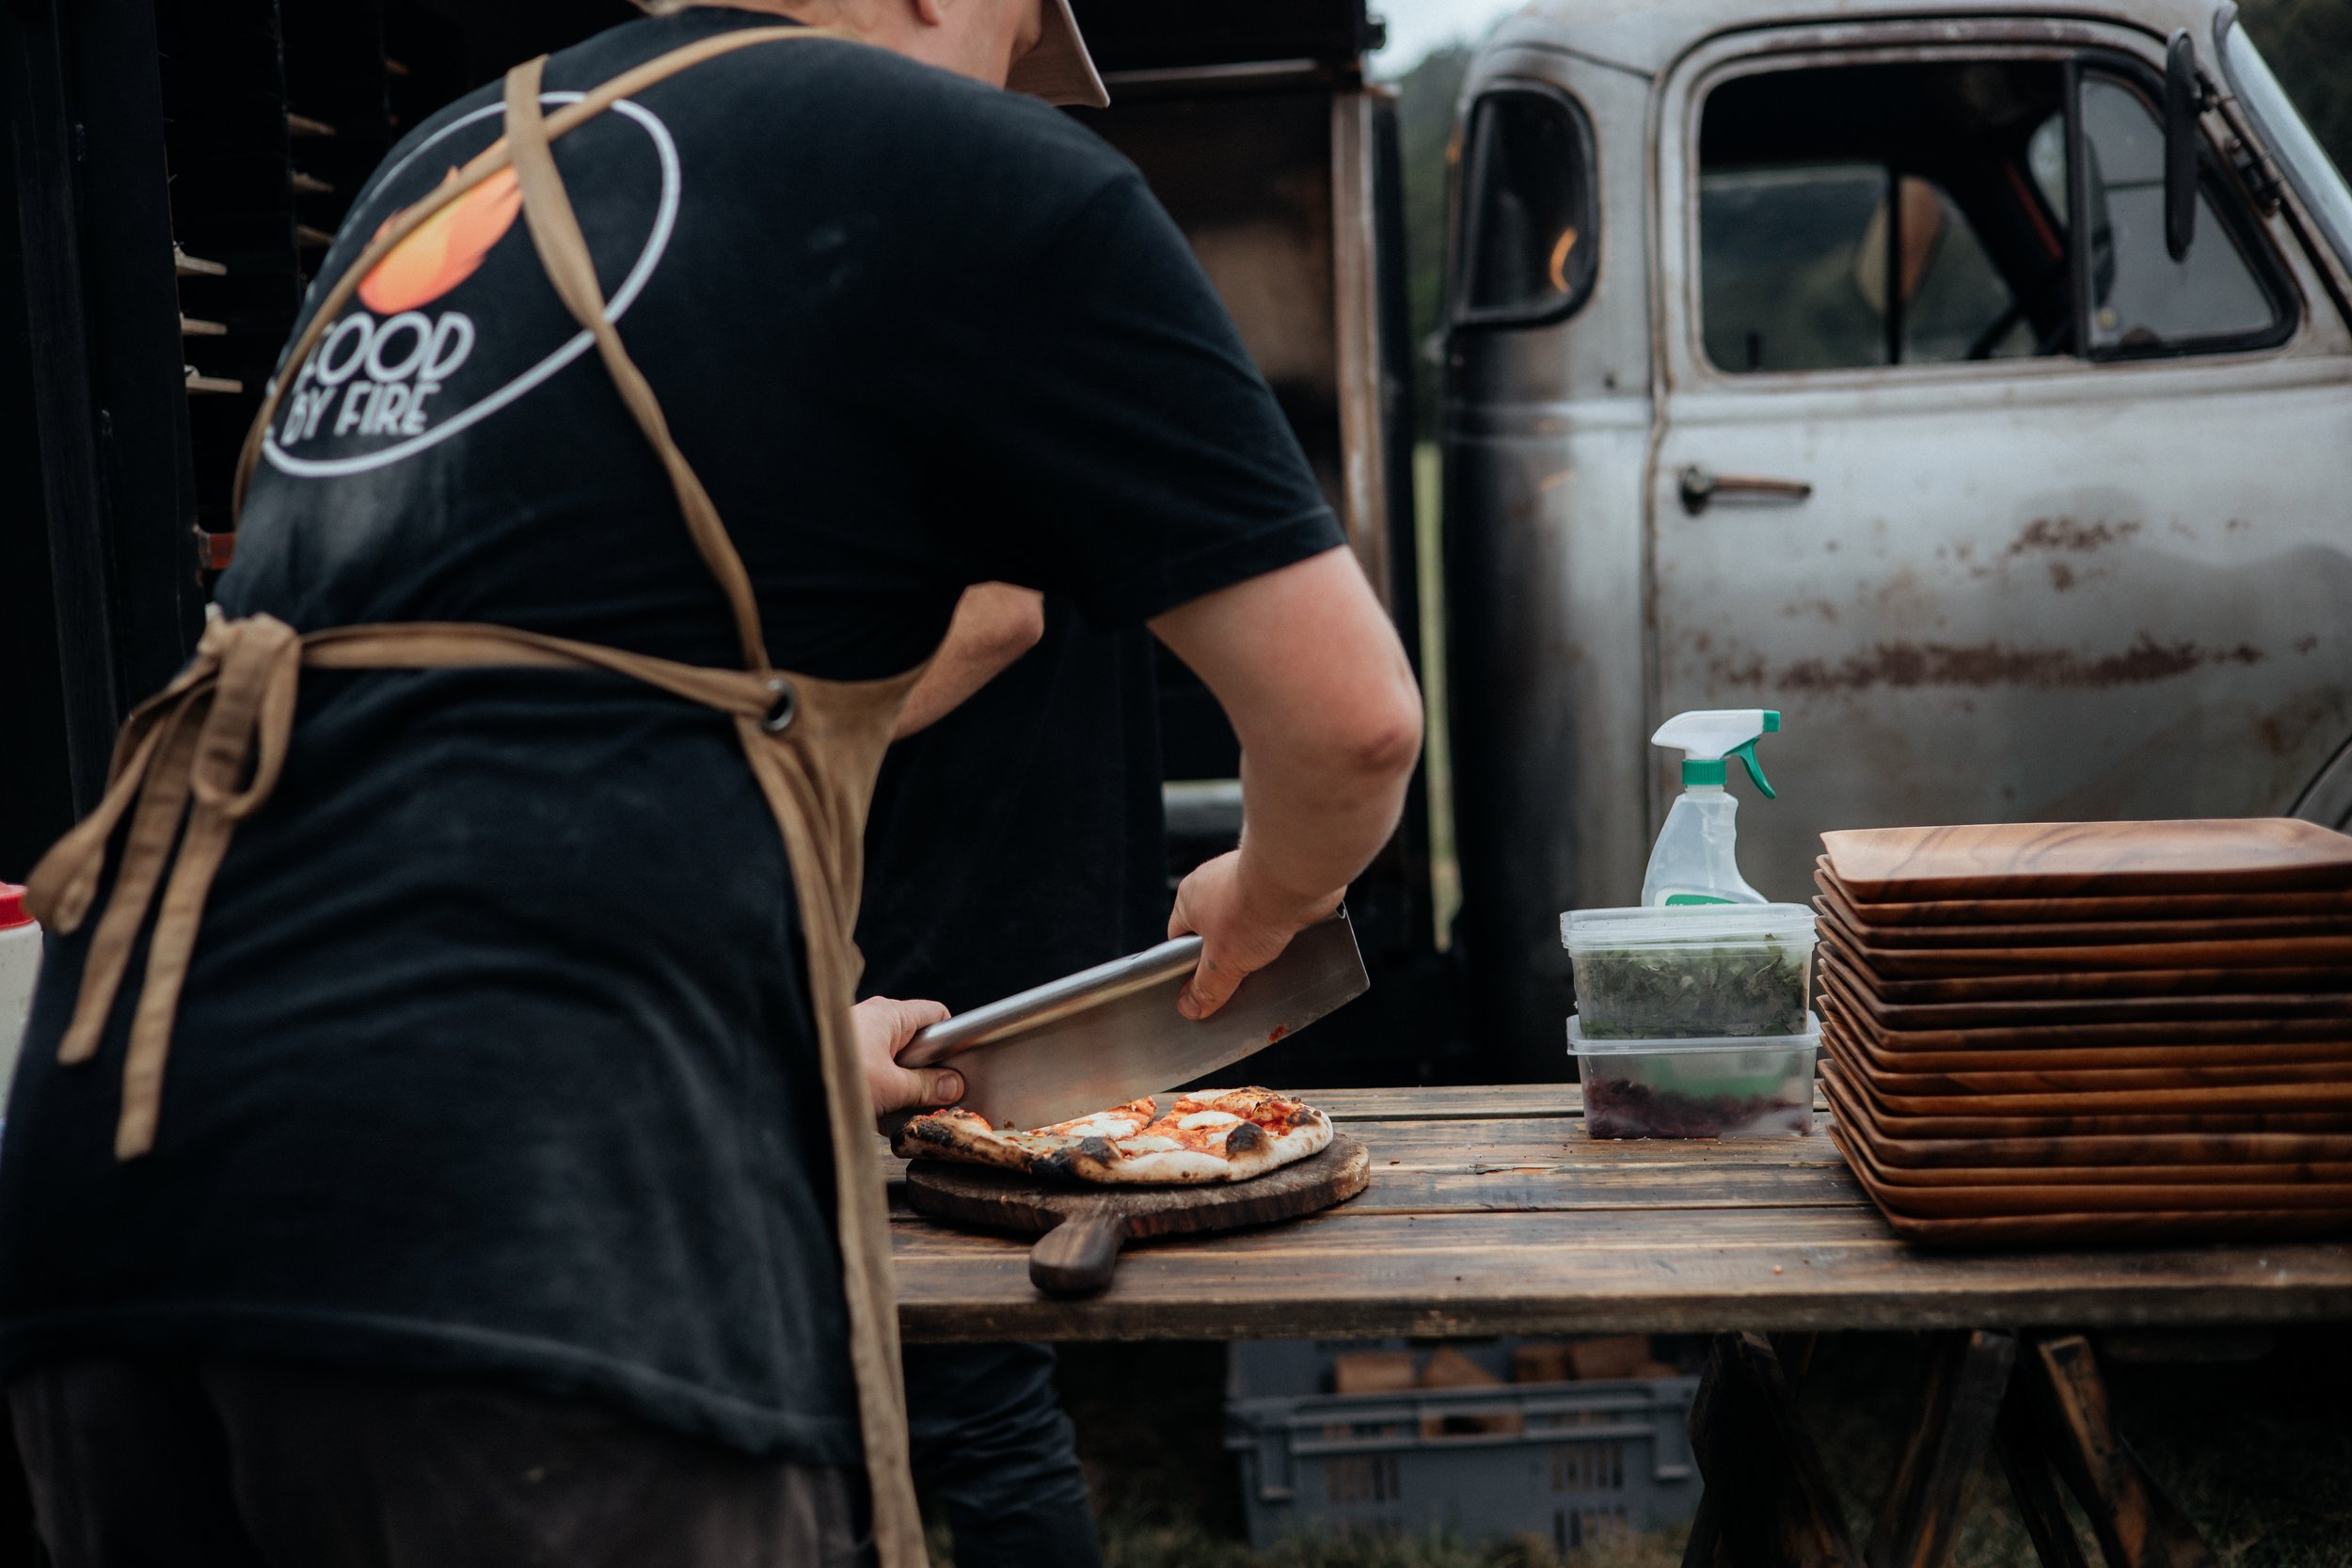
446,247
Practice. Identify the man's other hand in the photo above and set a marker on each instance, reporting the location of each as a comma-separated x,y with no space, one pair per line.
884,1024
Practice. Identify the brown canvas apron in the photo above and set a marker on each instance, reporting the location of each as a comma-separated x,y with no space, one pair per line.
210,746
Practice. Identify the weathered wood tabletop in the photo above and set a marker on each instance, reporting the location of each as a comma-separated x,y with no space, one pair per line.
1491,1212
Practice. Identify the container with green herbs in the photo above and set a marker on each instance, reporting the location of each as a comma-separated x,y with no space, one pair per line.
1692,972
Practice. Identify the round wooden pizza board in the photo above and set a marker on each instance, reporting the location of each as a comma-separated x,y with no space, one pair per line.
1082,1229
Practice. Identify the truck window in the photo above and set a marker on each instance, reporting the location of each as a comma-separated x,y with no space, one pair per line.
1530,245
2141,298
1916,214
1798,265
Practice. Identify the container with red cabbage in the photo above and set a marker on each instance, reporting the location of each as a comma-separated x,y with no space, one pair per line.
1727,1086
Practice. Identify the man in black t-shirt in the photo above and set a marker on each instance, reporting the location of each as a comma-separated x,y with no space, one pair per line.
488,1217
1013,840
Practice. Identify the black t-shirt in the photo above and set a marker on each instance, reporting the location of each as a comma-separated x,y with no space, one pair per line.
1020,837
495,1054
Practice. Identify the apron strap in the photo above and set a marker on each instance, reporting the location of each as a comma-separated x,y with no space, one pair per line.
210,747
564,252
480,167
824,887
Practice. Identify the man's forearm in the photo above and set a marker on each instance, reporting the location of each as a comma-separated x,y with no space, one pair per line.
1321,697
994,624
1311,824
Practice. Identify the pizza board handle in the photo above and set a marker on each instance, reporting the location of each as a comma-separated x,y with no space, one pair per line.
1076,1256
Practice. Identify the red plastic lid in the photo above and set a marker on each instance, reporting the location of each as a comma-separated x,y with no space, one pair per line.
12,910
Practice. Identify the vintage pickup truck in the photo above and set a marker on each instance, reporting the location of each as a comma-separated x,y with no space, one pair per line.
1862,361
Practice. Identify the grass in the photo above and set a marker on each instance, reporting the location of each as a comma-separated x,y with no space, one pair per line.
2258,1453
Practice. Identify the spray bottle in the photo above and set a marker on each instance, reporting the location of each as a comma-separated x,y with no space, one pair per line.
1694,860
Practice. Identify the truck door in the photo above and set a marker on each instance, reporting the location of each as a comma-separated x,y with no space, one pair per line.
2015,517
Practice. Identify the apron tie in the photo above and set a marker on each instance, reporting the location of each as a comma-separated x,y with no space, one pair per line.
207,749
197,742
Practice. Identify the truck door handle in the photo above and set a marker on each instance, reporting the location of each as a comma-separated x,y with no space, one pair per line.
1698,487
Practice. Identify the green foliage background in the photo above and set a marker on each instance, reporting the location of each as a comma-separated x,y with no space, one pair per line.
2308,43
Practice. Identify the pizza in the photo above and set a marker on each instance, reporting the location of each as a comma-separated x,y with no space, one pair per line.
1214,1135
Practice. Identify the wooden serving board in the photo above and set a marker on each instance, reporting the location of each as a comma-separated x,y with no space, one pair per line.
2069,860
2160,1191
2256,1150
2335,1174
1866,973
2092,1229
1999,1074
2026,1012
1864,1106
1855,922
1998,1051
2154,964
2157,907
1082,1229
2283,1039
2092,929
2330,1091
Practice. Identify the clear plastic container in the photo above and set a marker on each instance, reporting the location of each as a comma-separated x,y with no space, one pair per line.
1692,972
1734,1087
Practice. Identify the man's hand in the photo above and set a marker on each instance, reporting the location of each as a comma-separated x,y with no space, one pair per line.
1240,933
884,1024
1308,669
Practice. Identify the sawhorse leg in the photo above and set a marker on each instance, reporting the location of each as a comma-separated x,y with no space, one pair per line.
1768,1504
1919,1519
2062,1413
1767,1500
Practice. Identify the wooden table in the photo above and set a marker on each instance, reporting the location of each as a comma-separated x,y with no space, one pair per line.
1491,1212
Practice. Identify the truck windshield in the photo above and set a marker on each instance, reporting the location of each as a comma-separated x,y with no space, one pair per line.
2290,141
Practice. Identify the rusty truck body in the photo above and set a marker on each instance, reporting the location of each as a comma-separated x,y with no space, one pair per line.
1848,359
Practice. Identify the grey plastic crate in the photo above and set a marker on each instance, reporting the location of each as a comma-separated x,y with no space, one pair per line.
1583,1461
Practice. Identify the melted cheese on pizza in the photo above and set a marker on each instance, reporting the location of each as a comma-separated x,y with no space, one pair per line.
1221,1135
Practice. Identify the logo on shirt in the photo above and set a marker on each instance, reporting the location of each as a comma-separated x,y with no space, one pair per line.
446,247
406,367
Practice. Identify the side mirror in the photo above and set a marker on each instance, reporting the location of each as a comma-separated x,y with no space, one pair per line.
2184,101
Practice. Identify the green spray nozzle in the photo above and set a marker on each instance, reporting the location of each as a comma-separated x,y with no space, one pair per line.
1755,770
1709,739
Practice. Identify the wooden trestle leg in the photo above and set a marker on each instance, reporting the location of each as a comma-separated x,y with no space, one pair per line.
1919,1519
2063,1395
1768,1500
1768,1504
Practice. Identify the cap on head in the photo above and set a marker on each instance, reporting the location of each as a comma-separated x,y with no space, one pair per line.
1058,69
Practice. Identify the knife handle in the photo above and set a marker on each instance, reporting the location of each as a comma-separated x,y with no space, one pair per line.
1076,1256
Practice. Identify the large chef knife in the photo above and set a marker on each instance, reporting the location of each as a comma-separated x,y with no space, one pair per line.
1111,1033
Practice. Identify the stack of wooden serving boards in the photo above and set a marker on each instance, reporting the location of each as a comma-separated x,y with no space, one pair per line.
2086,1032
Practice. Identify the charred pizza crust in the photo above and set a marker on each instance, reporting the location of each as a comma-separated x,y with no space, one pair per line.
1215,1135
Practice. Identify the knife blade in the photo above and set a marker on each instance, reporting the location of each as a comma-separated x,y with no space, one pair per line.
1111,1033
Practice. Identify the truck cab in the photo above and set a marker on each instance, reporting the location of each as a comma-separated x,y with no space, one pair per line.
1970,386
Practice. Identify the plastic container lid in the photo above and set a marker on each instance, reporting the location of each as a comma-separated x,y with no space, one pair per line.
12,910
1686,926
1579,1046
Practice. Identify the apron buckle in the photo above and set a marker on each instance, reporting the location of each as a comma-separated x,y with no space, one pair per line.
783,709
